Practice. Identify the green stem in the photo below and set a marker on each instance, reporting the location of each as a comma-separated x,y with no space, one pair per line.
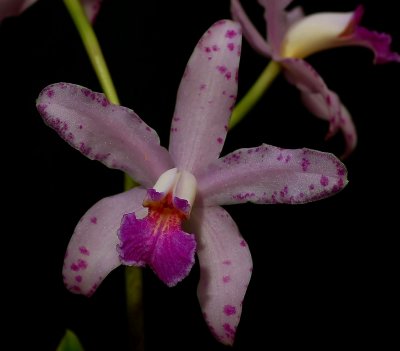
133,275
255,93
92,47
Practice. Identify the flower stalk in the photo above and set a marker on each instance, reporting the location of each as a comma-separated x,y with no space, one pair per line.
255,93
133,275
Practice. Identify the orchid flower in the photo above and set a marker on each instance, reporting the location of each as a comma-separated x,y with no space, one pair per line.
291,37
176,212
16,7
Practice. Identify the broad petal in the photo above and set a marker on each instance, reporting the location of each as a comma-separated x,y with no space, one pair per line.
102,131
157,240
225,270
206,97
317,105
250,32
268,174
277,22
92,251
309,82
10,8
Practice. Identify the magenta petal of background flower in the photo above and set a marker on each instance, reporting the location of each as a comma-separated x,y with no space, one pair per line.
225,270
16,7
206,97
91,253
268,174
13,7
102,131
379,43
92,8
167,249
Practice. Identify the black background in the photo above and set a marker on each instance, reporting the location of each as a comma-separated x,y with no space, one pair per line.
324,273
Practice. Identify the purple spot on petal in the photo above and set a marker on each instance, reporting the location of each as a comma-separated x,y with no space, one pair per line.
84,251
230,34
230,332
78,278
305,163
50,93
82,264
75,288
311,187
220,140
93,220
85,149
226,279
231,46
243,243
222,69
229,310
227,262
324,180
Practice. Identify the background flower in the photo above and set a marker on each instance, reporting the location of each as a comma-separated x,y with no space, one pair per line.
319,280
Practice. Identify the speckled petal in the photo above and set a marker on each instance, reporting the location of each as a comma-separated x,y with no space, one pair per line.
308,81
157,240
225,270
13,7
206,97
276,20
250,32
316,104
267,174
102,131
92,252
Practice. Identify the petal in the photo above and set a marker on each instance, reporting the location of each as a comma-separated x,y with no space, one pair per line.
158,242
316,32
317,105
102,131
13,7
276,20
323,31
92,8
294,15
92,253
157,239
379,43
206,97
250,32
308,81
225,270
268,174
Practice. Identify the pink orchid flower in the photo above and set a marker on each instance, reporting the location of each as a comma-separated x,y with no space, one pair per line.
10,8
291,36
184,185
